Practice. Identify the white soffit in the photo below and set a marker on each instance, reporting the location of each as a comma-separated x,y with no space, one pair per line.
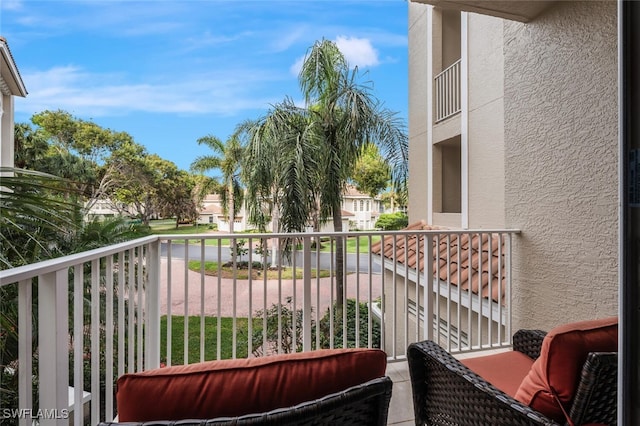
522,11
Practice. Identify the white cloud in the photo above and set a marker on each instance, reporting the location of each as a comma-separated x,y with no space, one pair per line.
358,51
11,4
286,38
297,65
93,95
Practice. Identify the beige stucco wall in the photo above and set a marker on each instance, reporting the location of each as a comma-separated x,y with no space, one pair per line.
485,122
418,152
561,163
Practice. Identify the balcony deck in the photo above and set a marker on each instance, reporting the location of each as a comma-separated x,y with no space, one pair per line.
401,407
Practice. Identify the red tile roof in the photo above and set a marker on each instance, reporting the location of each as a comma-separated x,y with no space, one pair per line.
455,251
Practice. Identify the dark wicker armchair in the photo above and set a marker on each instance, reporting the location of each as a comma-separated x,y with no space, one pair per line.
364,404
446,392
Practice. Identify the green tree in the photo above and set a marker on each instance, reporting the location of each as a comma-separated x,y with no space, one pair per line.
176,198
304,156
35,217
39,221
147,185
371,174
71,148
31,146
226,157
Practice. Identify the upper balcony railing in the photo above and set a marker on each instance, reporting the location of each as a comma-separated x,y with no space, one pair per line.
84,320
447,92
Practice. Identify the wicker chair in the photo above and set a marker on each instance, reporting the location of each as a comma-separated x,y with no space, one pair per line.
364,404
445,392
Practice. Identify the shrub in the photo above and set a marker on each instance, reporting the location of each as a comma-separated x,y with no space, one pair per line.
338,329
392,221
285,333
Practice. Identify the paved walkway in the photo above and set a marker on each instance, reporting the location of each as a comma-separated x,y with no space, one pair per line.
202,295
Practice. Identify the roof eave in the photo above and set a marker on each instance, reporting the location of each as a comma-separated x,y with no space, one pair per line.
9,72
521,11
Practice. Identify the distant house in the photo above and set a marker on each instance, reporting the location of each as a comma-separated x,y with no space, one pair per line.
10,85
211,213
102,209
359,211
364,210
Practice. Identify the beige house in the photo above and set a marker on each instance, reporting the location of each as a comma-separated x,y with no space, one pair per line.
211,213
359,211
363,210
513,124
10,85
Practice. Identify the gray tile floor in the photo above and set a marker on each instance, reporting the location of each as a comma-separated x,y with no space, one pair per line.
401,407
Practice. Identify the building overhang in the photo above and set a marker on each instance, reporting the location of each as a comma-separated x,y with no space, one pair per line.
522,11
10,80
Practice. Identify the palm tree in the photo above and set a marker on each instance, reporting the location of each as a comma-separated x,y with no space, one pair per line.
302,157
227,158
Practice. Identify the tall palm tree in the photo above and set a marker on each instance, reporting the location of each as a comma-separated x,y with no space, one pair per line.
227,158
303,156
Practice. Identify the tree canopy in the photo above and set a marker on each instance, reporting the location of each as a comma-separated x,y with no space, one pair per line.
301,158
102,164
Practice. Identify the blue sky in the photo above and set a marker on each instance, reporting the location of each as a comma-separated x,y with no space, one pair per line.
169,72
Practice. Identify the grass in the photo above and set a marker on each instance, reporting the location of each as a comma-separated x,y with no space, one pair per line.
210,332
351,244
211,268
168,227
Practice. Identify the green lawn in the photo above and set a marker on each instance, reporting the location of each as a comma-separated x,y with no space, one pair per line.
211,268
210,332
351,244
168,227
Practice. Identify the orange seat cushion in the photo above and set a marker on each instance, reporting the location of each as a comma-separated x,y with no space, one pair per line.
562,356
504,370
243,386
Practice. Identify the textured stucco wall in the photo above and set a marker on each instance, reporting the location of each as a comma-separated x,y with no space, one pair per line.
561,163
418,51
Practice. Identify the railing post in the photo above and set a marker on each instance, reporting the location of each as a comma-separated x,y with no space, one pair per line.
306,294
53,347
25,348
428,287
152,344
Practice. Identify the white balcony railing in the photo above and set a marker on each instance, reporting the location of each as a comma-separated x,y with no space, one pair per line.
85,319
447,92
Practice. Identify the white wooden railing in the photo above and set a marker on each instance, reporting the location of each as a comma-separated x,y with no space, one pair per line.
119,298
447,92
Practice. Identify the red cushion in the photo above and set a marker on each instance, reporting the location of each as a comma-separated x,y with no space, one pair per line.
563,353
504,370
243,386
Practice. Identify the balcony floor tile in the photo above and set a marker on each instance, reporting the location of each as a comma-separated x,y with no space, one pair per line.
401,407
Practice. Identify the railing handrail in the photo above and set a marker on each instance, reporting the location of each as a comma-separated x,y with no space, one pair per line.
337,234
444,71
20,273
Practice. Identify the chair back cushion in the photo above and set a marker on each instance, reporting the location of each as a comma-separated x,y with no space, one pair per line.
243,386
554,376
